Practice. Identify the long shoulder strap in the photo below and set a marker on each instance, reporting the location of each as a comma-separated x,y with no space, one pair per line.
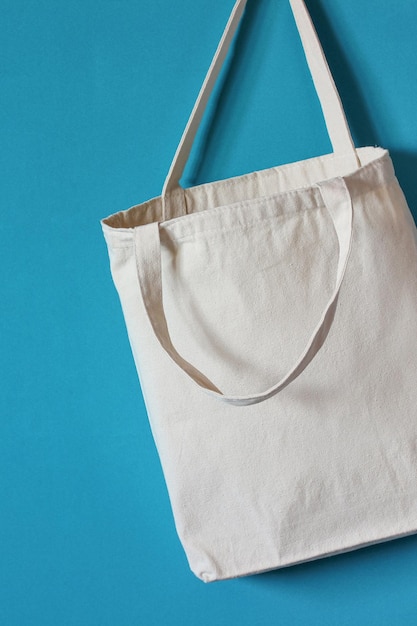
331,104
187,139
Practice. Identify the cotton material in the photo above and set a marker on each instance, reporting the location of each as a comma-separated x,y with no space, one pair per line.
272,319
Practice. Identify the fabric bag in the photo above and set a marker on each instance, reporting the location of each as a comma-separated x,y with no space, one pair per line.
273,319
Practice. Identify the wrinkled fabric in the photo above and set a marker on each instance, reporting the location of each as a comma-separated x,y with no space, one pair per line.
329,463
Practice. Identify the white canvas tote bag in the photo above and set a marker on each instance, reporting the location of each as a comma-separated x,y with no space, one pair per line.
273,322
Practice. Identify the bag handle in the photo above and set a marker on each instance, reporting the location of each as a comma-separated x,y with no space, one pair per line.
336,198
173,203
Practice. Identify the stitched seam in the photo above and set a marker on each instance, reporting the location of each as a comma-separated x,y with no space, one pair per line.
235,180
260,221
240,227
286,214
290,193
385,184
239,203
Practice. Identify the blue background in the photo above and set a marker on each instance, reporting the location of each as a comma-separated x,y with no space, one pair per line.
94,99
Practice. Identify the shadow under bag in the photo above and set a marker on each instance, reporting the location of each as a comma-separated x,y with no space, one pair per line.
273,322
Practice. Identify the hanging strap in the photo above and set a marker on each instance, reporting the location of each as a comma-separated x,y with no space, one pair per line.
336,198
173,203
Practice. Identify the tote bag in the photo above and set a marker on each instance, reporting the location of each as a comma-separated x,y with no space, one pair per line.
273,322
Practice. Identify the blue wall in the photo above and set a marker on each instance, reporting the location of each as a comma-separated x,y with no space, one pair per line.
94,99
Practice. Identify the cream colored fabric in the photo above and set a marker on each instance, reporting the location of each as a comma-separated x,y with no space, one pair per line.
272,319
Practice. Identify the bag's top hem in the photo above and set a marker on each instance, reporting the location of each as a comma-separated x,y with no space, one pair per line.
295,183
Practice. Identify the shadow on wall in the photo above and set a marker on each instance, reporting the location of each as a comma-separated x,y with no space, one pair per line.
405,164
361,122
389,558
247,54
